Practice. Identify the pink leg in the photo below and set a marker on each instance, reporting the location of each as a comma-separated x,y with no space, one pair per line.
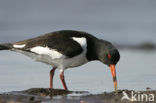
63,81
51,76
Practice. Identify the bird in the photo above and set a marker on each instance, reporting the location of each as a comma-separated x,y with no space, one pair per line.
65,49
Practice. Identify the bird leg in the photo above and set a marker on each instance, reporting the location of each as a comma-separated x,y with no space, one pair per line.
51,76
63,81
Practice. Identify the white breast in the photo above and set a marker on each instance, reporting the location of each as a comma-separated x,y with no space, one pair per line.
81,58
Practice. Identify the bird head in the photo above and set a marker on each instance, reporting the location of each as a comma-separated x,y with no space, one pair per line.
110,56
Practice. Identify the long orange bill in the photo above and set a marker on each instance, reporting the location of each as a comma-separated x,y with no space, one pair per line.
112,68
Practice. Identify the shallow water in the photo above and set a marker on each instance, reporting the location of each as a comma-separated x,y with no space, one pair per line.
136,70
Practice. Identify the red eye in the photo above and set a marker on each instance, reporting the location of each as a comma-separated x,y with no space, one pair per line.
109,56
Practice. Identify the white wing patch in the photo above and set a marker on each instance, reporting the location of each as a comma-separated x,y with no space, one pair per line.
19,46
81,40
46,51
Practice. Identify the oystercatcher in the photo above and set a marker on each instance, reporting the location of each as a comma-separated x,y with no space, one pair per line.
66,49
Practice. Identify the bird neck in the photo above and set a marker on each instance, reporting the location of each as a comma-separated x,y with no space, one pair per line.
98,49
93,50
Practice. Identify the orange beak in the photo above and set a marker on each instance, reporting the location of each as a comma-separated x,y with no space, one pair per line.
112,68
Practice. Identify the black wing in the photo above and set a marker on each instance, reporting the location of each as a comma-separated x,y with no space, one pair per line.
64,45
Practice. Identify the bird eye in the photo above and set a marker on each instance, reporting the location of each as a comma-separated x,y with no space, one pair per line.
109,56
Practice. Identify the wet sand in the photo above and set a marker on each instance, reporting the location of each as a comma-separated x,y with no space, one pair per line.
46,95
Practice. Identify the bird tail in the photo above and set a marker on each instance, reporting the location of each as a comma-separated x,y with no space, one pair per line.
5,46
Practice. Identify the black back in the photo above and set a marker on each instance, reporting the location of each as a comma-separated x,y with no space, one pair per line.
62,41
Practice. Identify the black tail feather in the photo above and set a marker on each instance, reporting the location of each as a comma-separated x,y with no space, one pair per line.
5,46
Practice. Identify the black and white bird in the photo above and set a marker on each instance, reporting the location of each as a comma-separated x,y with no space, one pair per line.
66,49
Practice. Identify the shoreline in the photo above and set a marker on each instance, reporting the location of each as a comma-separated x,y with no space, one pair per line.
142,46
46,95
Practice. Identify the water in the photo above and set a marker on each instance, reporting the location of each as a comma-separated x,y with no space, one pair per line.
119,21
136,71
